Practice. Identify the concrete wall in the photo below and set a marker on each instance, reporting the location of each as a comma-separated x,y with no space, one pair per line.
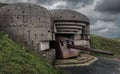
32,26
3,4
72,22
27,24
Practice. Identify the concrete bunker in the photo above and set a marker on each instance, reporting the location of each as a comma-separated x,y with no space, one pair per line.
27,24
70,24
46,32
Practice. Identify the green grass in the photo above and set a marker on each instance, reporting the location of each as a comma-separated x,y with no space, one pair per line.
106,44
15,59
117,39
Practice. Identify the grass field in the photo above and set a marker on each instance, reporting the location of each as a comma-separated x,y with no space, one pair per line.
118,39
15,59
102,43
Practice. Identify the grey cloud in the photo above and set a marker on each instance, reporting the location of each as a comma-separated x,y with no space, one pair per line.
110,12
14,1
70,4
8,1
110,6
107,9
98,29
47,2
109,18
117,22
75,4
111,33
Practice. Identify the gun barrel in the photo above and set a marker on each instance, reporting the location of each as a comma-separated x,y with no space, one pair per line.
89,49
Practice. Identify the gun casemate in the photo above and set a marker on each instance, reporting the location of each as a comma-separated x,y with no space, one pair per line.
57,35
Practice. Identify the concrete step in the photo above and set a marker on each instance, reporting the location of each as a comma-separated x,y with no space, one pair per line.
81,60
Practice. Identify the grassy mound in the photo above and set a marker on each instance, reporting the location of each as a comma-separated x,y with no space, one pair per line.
107,44
15,59
118,39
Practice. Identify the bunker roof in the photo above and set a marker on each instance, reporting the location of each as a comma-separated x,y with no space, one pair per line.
68,15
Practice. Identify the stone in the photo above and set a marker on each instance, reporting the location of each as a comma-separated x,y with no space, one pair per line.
48,55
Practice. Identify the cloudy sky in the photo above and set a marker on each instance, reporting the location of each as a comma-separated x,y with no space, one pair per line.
104,15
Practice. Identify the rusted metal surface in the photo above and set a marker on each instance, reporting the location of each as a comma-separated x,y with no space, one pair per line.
62,51
65,48
89,49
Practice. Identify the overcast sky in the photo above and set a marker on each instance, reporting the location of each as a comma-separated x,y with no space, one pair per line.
104,15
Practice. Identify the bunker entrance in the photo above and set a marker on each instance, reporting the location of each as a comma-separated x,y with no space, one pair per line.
70,36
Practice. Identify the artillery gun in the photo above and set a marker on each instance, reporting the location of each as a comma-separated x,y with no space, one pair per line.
65,48
71,36
63,30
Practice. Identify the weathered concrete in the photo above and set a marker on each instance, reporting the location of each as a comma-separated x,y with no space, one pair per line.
66,14
3,4
28,24
71,23
81,60
34,26
48,55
